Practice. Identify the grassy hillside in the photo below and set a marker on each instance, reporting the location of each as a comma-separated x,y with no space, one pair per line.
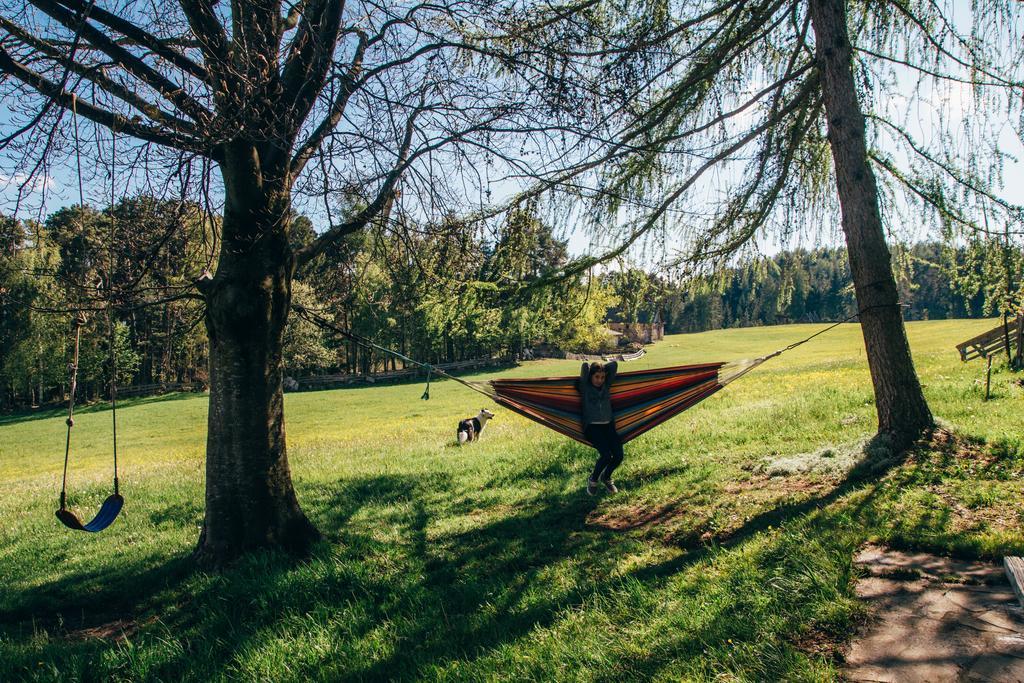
728,552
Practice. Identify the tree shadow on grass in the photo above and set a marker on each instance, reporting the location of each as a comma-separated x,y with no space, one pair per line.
90,597
547,537
925,508
407,581
489,585
445,596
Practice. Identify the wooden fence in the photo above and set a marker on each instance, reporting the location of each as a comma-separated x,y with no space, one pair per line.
135,390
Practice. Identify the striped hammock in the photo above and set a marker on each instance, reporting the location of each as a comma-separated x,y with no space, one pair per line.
641,400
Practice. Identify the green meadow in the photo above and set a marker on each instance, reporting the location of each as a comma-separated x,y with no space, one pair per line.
727,555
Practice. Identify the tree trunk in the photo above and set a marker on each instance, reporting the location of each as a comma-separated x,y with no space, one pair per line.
902,410
250,501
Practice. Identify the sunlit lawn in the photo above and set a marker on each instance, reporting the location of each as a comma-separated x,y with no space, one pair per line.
490,561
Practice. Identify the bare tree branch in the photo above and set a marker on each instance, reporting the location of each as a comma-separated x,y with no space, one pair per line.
97,76
311,54
138,36
208,31
349,83
95,113
385,195
169,90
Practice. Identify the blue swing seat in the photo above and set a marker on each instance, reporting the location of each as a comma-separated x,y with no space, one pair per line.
109,511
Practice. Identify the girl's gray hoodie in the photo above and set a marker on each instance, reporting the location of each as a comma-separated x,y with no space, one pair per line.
597,403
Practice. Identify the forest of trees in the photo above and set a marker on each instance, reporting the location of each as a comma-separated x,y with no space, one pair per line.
444,297
935,281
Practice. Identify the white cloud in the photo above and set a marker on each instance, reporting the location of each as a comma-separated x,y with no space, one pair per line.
34,185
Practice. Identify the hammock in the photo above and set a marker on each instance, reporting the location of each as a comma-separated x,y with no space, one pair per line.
641,400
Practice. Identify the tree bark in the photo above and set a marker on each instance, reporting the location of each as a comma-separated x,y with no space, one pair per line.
250,501
903,412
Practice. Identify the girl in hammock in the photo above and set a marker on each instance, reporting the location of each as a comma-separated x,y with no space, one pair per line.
599,424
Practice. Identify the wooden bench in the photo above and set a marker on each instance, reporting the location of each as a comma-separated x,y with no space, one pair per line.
994,341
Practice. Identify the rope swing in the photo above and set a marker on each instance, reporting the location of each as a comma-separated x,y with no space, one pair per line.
113,504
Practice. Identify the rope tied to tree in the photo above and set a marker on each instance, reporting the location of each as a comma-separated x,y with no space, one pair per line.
318,320
748,365
110,306
113,504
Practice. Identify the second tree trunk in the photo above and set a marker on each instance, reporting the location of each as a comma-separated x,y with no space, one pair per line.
902,410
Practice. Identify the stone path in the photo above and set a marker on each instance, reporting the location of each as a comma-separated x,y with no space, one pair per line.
936,620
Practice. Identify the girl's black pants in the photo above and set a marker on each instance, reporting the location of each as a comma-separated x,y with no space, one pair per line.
609,449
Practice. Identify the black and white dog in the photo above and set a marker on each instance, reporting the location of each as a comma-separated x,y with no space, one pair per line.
470,428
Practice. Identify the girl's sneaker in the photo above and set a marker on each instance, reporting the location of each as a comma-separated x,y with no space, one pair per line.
610,485
591,487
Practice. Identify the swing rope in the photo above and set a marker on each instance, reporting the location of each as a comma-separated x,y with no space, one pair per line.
110,305
113,399
113,504
73,370
79,321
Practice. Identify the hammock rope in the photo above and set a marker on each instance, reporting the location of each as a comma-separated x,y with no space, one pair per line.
317,319
641,399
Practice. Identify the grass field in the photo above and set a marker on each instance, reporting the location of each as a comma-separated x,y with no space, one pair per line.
727,555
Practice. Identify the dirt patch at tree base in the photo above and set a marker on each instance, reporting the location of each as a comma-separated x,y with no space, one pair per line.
115,631
935,619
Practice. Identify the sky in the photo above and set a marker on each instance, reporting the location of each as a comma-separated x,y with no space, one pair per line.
58,186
